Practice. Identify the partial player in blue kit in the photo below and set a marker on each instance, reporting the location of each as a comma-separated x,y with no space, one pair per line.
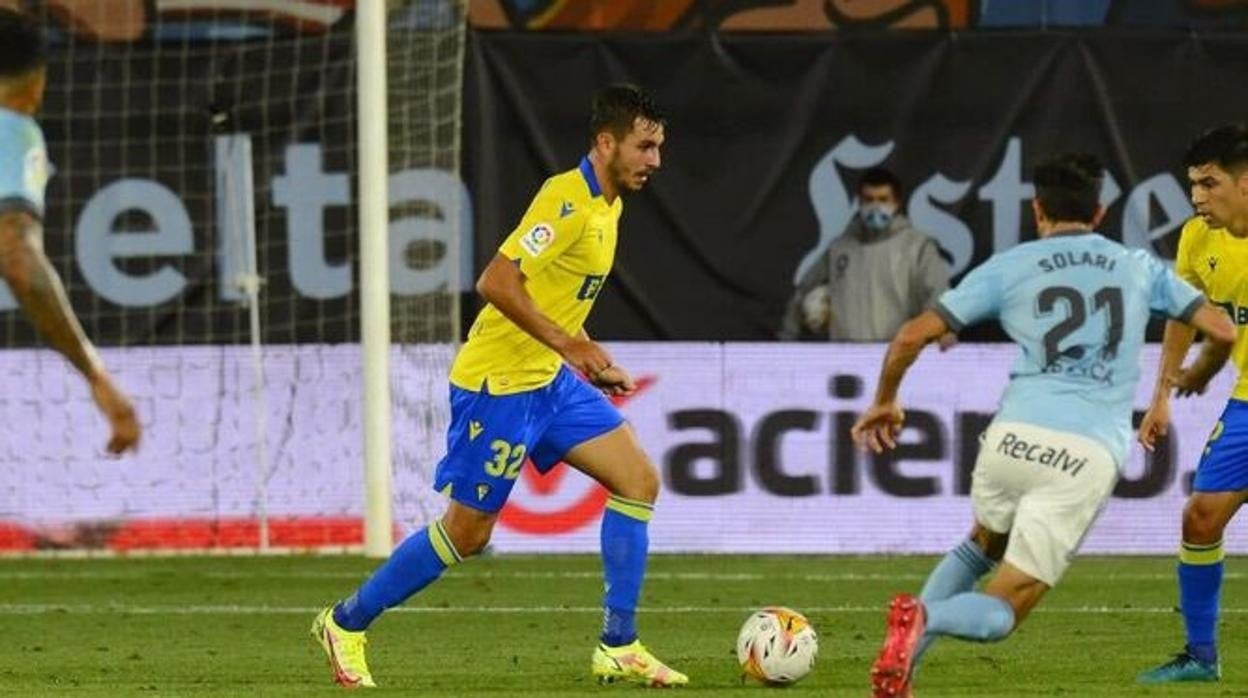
24,172
1077,305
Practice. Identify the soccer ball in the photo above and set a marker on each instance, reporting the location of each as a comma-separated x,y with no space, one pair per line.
817,310
777,646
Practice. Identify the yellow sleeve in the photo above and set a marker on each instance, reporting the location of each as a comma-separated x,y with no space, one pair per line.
1190,239
545,232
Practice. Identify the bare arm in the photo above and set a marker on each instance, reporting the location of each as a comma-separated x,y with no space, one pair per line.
1174,345
38,289
904,349
1219,338
1219,334
502,285
614,379
877,428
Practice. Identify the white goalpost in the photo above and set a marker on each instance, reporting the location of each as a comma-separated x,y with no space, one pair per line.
374,208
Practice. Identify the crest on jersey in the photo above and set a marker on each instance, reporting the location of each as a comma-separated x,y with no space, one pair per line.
537,239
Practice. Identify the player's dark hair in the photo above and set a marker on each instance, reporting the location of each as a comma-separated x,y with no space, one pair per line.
1068,186
878,177
22,48
616,107
1225,146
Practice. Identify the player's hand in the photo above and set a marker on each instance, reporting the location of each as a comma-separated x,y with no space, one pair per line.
119,413
1188,382
1155,424
878,427
586,356
614,380
946,341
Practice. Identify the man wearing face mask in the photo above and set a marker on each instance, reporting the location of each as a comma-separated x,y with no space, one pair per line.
878,274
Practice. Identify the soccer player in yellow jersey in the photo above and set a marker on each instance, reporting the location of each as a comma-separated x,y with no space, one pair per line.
515,394
1213,256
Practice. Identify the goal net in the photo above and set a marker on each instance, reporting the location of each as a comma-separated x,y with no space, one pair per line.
202,217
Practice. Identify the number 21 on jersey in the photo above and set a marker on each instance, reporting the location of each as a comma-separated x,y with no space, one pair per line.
1108,298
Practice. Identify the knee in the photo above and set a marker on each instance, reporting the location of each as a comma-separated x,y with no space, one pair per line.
469,540
642,485
990,543
469,534
1201,524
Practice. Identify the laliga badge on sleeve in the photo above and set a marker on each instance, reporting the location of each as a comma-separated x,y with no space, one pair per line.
537,239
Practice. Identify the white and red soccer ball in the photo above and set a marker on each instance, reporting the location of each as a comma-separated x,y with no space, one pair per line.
777,646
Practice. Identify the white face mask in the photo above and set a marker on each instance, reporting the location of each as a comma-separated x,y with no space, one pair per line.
877,216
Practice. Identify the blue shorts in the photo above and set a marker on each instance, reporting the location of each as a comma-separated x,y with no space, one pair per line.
491,436
1224,465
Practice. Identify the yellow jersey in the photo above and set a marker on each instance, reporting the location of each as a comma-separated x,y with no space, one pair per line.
1216,262
564,245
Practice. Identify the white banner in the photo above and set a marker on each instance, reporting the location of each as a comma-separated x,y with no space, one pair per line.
196,481
751,441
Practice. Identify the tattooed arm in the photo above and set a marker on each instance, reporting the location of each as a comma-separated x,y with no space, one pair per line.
38,289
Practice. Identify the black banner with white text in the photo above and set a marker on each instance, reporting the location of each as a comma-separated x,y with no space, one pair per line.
767,135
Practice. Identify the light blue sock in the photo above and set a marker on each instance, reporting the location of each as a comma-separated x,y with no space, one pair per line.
971,616
625,545
1200,586
414,565
956,573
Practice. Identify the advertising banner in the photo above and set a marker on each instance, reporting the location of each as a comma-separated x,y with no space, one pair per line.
751,441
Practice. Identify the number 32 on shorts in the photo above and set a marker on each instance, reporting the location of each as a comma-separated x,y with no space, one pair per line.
1214,436
506,461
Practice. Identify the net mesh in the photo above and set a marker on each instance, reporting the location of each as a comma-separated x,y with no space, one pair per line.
151,107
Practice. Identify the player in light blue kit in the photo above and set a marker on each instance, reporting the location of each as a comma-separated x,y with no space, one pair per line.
1077,305
24,172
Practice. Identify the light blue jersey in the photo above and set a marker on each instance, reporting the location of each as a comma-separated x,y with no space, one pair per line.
1077,305
24,168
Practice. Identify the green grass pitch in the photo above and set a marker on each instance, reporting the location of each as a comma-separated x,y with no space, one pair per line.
525,626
